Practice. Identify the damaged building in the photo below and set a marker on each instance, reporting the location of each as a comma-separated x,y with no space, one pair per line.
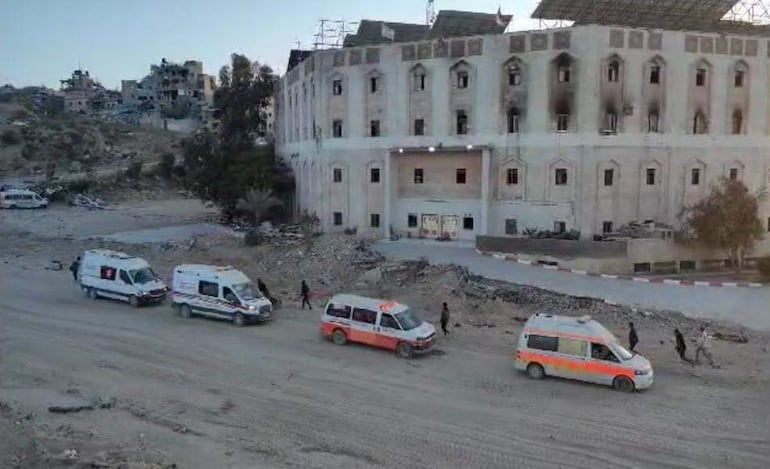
460,129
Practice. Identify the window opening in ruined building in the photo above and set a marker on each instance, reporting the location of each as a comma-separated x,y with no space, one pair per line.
562,122
337,87
373,84
655,75
419,127
374,128
560,175
419,81
411,220
699,123
511,226
374,175
768,225
374,220
733,174
650,176
460,176
337,128
467,223
611,122
514,76
337,218
418,176
609,175
513,121
462,123
737,122
462,79
606,227
613,72
738,79
695,176
559,226
562,74
700,77
337,174
512,176
652,122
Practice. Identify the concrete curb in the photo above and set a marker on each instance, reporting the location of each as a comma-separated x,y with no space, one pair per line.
661,281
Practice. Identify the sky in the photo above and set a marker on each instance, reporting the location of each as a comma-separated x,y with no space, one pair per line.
43,41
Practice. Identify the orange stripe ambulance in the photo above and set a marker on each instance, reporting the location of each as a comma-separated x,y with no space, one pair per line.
581,349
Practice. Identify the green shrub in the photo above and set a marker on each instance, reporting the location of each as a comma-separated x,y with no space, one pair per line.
166,165
79,186
10,137
763,266
135,170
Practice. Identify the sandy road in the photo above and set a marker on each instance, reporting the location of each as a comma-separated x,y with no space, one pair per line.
205,394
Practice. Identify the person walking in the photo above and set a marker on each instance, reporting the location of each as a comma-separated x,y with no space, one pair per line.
444,318
305,291
633,338
263,288
704,346
681,347
74,267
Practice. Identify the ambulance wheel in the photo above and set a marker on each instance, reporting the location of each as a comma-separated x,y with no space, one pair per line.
239,320
404,350
535,371
339,337
91,293
623,384
185,311
133,301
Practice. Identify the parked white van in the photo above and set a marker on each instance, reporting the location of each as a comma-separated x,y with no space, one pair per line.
385,324
219,292
21,198
119,276
581,349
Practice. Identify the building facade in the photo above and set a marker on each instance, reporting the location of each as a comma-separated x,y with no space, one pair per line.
583,128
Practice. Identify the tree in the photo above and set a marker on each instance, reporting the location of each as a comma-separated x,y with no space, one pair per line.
727,219
257,203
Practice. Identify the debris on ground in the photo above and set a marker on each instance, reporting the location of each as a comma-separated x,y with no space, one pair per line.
737,338
79,406
91,203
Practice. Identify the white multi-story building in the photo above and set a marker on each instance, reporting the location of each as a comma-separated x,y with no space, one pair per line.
466,130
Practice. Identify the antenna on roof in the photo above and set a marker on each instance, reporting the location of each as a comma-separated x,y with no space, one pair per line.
430,13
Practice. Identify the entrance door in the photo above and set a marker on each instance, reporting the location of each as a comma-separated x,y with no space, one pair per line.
449,226
430,226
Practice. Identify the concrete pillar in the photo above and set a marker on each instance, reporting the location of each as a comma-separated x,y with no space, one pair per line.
388,194
485,183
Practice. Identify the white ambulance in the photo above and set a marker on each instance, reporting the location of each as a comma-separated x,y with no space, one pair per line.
386,324
119,276
218,292
21,198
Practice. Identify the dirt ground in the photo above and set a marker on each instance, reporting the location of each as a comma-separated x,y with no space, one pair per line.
201,393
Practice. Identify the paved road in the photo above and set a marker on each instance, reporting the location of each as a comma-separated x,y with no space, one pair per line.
749,307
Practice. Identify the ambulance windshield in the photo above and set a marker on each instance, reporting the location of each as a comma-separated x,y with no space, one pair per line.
622,352
408,320
143,275
246,291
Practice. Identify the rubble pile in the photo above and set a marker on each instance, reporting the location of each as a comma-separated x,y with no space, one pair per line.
91,203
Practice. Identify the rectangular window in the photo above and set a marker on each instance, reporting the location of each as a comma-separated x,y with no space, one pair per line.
419,127
418,176
467,223
513,122
542,342
337,128
562,122
655,75
125,278
419,82
514,77
337,218
411,220
563,74
695,176
739,74
559,226
373,84
611,122
106,272
337,87
365,316
572,347
768,225
374,175
609,175
337,174
338,311
460,176
462,123
462,80
374,220
607,227
512,176
208,288
561,176
652,122
700,77
613,72
733,174
386,320
374,128
511,227
650,176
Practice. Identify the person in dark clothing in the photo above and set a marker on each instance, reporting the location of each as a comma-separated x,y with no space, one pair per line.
681,347
263,288
305,291
74,267
633,339
444,318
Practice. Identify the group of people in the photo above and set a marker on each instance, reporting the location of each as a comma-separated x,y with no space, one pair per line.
703,345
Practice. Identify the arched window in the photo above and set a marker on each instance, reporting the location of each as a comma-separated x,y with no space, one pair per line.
737,122
699,124
513,120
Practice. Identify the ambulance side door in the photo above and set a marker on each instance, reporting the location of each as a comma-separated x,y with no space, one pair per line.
362,326
389,333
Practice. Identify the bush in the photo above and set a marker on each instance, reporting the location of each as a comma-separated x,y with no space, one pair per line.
29,151
10,137
252,238
79,186
135,170
166,165
763,266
